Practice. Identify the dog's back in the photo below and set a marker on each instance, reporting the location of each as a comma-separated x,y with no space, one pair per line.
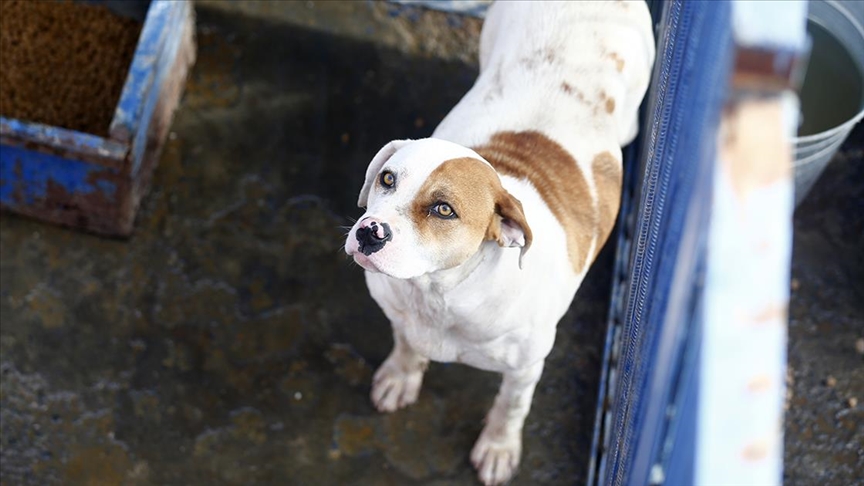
568,69
557,96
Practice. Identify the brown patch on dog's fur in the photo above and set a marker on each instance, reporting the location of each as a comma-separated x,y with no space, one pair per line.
607,102
497,89
539,57
475,193
555,175
608,179
619,63
571,90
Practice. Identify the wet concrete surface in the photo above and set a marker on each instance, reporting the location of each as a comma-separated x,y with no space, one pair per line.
231,342
825,419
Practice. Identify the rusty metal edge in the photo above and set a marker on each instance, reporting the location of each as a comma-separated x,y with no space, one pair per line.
63,142
170,95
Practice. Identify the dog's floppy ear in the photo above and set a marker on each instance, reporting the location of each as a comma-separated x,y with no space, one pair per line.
378,161
509,226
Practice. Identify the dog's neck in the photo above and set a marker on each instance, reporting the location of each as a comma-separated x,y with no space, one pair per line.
443,281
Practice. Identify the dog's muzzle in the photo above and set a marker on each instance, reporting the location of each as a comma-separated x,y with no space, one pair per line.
372,236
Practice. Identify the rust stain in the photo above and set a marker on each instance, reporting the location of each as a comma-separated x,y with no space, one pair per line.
755,451
355,435
349,365
754,150
214,83
771,314
97,466
249,425
48,307
95,211
759,383
260,300
270,337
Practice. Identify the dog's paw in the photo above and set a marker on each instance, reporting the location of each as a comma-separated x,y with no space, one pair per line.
496,458
393,388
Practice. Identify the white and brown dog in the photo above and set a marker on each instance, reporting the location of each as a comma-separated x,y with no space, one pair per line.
529,158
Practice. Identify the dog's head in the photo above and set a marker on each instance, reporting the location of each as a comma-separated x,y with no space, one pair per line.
430,205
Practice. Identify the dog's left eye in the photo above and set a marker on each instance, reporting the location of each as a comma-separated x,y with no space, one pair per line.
443,210
388,179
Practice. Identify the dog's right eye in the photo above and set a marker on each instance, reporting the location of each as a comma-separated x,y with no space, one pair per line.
388,179
444,211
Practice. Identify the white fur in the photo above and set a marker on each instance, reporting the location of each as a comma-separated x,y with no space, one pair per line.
487,312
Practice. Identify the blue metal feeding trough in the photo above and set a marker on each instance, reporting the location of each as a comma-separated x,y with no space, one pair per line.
93,183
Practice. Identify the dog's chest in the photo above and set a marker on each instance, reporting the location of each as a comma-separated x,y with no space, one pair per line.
446,331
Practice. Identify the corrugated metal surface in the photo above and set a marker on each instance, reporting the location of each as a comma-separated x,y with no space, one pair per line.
659,289
687,397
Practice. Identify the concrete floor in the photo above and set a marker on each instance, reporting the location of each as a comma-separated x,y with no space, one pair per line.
231,342
825,420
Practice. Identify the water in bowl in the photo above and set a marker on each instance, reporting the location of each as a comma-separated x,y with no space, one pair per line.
833,89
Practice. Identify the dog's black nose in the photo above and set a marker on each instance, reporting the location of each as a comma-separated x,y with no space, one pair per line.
373,237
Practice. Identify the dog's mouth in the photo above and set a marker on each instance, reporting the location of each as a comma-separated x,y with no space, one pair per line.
365,262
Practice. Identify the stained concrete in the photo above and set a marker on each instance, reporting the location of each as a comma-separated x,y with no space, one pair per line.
231,342
825,420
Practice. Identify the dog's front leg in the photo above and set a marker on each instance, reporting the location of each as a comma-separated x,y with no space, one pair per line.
497,451
397,382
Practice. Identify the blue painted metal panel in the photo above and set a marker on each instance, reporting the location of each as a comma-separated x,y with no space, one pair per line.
654,320
61,139
172,20
128,116
616,308
677,459
26,176
474,8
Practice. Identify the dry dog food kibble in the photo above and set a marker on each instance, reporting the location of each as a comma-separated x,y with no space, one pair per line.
63,63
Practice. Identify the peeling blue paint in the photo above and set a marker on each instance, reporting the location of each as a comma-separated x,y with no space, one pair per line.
63,139
129,116
25,176
474,8
169,20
